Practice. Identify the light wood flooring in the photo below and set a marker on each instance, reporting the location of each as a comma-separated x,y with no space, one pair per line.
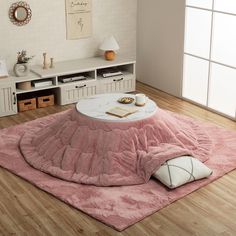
26,210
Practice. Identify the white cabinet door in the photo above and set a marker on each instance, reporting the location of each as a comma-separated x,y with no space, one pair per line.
117,84
73,92
8,100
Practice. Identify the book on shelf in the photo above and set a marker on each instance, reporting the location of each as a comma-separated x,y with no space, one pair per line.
72,79
109,72
42,83
122,111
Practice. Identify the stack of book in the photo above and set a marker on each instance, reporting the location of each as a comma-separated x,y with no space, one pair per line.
42,83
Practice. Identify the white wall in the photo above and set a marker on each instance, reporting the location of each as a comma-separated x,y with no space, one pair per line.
160,44
46,32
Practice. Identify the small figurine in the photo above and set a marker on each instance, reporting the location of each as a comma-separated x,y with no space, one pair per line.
52,62
45,65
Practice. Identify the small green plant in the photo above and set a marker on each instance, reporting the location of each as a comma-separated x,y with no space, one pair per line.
22,57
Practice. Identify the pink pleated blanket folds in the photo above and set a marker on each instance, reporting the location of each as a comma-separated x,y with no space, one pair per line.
91,151
104,168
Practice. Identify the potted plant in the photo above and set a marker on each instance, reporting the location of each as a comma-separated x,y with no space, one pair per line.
21,68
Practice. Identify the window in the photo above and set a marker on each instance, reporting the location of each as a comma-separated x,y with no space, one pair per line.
210,54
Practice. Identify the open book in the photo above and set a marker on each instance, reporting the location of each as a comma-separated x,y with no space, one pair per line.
121,111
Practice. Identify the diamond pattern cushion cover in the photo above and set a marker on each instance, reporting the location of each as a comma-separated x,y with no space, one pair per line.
181,170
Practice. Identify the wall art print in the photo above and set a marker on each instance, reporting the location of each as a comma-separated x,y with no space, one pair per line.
78,19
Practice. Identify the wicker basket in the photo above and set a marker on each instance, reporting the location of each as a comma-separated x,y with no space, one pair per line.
27,104
45,101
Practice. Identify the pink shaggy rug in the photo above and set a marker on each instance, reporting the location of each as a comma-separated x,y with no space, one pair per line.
118,207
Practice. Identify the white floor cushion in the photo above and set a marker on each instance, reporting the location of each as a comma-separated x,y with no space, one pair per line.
181,170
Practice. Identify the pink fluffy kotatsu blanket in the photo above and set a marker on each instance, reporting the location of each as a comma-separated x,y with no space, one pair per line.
90,151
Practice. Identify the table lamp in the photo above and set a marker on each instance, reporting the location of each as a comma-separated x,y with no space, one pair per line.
109,45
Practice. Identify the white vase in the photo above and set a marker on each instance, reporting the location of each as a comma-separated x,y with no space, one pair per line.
21,70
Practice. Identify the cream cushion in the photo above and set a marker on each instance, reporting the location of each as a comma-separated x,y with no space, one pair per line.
181,170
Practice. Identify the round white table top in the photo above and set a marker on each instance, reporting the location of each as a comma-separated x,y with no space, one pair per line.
97,106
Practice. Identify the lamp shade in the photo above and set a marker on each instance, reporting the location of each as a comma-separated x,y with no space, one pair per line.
109,44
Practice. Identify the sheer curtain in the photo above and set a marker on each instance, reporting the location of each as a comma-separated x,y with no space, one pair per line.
210,54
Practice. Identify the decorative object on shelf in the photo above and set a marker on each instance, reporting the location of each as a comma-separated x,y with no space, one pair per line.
51,63
20,13
21,68
26,85
109,45
3,70
79,18
45,64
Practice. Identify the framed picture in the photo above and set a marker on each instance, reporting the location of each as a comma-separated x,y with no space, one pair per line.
3,69
78,18
79,25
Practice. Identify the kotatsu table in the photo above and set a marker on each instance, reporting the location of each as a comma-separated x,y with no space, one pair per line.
97,106
88,146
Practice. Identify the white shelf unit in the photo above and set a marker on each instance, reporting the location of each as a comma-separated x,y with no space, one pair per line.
67,93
